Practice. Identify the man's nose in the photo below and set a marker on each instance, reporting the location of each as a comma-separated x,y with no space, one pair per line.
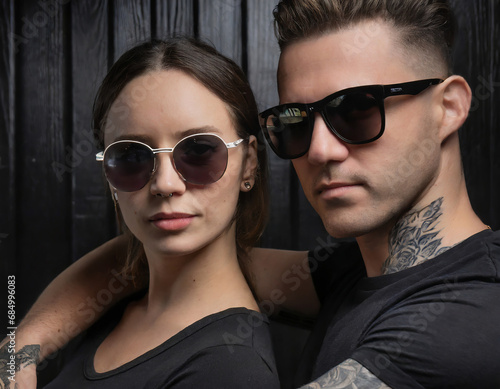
325,145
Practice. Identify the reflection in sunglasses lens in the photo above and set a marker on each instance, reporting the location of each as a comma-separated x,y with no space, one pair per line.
289,131
128,166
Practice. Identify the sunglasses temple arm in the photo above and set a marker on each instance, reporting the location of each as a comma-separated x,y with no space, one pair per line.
410,88
234,144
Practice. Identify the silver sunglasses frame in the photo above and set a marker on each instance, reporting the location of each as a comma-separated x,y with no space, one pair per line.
101,155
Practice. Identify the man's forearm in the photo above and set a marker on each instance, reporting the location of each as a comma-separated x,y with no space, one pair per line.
76,299
12,360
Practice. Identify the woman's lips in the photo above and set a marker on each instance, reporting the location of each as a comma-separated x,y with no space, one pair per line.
171,221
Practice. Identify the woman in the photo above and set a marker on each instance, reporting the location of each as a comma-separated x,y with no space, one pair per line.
176,122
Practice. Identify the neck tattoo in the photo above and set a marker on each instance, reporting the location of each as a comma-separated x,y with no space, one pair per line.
415,239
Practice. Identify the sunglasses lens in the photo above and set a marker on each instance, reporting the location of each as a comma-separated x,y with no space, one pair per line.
289,131
128,166
356,117
201,159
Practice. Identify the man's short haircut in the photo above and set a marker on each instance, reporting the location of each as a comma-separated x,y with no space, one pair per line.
424,25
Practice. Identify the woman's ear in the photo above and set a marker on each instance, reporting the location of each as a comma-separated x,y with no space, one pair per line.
250,165
456,101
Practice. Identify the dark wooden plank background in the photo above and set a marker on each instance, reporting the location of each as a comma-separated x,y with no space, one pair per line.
53,55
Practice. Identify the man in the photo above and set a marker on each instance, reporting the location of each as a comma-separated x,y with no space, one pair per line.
415,303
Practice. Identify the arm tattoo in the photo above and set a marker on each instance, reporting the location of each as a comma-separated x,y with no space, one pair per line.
415,239
349,374
28,355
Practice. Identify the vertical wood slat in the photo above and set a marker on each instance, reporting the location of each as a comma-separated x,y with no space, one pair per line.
494,86
174,17
43,205
7,150
220,23
7,154
263,54
131,24
476,56
92,209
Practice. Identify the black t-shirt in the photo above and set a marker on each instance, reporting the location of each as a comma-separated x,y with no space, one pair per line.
434,325
229,349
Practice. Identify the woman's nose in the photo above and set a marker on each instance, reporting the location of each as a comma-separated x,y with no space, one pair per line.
166,180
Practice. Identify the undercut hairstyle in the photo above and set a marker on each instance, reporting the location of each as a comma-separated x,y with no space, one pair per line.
227,81
425,27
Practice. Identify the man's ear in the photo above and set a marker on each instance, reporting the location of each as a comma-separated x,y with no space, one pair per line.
250,164
456,101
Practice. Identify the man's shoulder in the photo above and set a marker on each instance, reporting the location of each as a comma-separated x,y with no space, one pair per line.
478,256
492,243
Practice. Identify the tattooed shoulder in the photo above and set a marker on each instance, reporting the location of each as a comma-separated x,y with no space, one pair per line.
349,374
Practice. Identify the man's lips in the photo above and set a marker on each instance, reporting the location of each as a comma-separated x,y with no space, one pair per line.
336,189
171,221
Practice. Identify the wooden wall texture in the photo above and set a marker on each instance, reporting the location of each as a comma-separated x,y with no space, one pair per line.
53,55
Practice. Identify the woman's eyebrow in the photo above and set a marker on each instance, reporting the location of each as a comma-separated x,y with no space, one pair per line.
199,130
146,138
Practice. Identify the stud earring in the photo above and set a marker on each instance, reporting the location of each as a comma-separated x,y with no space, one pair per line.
248,186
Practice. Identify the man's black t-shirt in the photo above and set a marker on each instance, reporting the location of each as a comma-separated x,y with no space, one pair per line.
434,325
229,349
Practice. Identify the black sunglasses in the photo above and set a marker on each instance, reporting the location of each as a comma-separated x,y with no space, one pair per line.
355,115
199,159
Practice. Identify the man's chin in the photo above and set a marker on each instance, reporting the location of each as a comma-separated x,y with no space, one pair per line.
341,232
346,227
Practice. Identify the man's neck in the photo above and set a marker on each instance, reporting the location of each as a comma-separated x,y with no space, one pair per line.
416,238
421,234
